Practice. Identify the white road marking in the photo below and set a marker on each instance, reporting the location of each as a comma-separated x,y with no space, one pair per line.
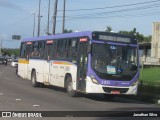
1,93
18,99
36,105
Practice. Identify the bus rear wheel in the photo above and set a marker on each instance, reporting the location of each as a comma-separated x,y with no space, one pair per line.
69,87
34,79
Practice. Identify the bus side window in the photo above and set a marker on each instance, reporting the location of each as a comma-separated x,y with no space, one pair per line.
55,48
28,50
35,51
65,48
23,50
41,49
48,51
45,51
62,49
69,50
74,51
56,53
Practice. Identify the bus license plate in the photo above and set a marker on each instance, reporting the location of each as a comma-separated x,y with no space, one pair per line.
115,92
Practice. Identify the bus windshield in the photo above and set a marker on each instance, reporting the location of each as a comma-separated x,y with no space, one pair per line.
114,62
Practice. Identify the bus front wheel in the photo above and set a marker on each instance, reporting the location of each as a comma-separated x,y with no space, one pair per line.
69,87
34,79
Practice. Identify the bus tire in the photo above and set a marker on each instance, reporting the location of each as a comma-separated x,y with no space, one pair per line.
34,79
69,87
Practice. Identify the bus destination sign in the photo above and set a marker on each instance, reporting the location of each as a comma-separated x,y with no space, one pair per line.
114,37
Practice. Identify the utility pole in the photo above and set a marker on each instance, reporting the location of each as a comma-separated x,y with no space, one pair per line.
34,15
48,18
39,18
54,16
1,48
64,7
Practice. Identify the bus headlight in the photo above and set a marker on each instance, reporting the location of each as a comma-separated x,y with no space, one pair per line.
94,80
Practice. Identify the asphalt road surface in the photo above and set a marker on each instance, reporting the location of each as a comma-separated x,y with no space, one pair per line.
17,94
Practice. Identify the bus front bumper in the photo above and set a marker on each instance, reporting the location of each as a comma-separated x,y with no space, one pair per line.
97,88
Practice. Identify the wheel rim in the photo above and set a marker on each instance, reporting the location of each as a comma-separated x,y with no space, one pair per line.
70,87
33,80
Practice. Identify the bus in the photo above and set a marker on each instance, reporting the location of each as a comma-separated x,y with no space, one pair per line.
87,62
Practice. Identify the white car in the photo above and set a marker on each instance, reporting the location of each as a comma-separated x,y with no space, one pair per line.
14,63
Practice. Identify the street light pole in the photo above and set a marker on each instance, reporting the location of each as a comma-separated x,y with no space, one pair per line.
64,6
39,18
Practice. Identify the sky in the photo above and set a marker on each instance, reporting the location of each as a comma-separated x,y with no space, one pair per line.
17,18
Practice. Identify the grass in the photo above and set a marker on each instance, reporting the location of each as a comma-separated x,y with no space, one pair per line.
150,75
149,90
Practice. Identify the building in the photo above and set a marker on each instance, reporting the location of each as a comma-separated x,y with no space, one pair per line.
150,52
145,52
155,47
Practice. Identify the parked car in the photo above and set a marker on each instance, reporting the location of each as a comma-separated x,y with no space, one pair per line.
2,60
14,63
9,59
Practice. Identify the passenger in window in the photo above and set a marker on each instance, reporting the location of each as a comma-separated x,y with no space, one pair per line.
32,54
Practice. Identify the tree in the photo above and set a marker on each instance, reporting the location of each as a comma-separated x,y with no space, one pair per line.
10,52
148,38
140,37
123,32
68,31
132,32
108,28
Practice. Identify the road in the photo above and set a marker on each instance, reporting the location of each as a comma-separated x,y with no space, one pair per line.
17,94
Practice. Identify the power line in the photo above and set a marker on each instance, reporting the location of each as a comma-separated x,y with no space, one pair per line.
117,11
115,16
127,5
17,22
100,15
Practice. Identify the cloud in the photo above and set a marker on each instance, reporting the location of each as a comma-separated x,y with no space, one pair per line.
7,4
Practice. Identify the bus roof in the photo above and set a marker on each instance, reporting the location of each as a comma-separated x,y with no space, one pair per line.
90,34
59,36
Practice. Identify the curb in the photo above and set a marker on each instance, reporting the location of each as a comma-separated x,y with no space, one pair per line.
146,97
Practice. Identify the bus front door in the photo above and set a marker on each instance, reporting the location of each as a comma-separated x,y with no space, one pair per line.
82,65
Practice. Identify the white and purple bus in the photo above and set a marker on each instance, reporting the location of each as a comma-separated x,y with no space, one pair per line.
87,62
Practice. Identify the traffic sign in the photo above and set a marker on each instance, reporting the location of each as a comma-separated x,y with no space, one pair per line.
16,37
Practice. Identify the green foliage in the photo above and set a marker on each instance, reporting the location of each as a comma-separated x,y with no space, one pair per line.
68,31
10,52
108,28
140,37
148,38
132,32
150,76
